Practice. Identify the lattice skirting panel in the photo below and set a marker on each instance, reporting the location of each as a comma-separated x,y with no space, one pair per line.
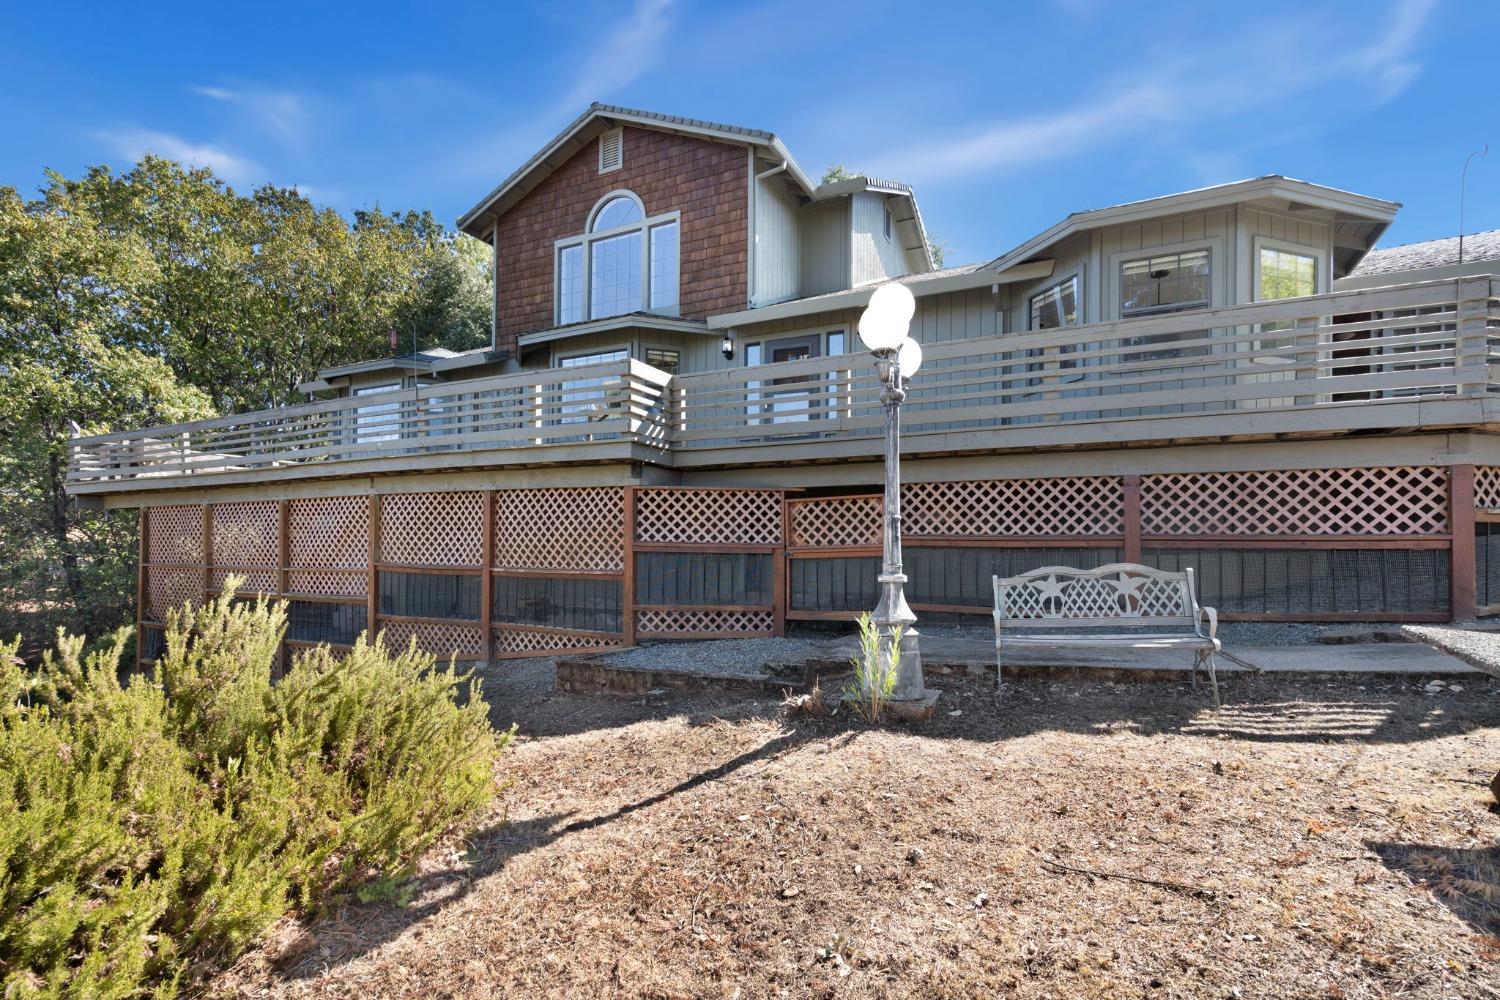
684,622
835,522
246,534
1487,487
512,642
175,535
169,587
328,533
252,581
579,529
708,517
1068,505
328,582
432,529
442,639
1405,500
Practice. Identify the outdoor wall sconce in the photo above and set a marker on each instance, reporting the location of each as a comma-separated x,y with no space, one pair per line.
726,347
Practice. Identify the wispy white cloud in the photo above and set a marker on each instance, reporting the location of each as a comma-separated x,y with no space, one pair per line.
624,52
1278,62
134,143
628,50
285,115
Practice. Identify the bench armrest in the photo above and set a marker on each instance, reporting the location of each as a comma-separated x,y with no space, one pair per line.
1213,622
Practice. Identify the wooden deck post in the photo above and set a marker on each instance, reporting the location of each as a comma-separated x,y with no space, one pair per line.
1461,524
486,575
1132,515
372,599
207,548
140,586
781,570
627,581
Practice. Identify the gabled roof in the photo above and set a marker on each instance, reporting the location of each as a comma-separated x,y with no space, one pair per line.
1430,253
1369,216
908,219
598,118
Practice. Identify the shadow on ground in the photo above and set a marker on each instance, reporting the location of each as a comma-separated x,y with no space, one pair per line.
1466,881
1258,709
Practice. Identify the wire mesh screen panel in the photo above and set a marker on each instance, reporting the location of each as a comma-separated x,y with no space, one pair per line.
441,639
322,621
1070,505
1487,487
246,534
432,529
174,535
429,595
691,578
1309,581
590,604
328,542
169,587
833,584
960,577
153,643
708,517
835,522
1404,500
561,529
681,622
1487,564
513,640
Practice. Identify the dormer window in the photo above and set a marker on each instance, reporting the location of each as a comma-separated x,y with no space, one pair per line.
623,263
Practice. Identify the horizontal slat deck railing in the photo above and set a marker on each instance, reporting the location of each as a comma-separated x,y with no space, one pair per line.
1429,339
613,401
1290,359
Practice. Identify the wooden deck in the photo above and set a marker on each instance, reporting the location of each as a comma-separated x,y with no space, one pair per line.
1395,359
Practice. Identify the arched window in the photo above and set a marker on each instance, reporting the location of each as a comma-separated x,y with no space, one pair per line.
623,263
620,210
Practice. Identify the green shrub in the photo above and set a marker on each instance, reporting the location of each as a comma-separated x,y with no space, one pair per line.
149,832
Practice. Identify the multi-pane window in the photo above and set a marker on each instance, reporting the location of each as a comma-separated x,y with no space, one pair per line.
377,421
663,359
1285,275
1165,283
615,275
624,263
570,284
664,265
1056,306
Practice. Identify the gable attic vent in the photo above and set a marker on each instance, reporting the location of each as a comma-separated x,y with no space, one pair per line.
611,150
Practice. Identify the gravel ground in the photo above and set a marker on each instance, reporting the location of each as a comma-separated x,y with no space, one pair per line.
1477,646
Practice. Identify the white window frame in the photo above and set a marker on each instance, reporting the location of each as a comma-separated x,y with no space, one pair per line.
1176,251
1318,254
577,409
1112,286
587,239
1066,370
647,348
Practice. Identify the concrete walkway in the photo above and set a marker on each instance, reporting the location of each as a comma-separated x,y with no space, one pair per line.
1395,659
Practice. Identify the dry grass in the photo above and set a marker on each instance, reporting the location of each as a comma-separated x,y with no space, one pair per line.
1324,840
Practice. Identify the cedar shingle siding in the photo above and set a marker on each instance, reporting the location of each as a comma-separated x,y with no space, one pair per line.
706,181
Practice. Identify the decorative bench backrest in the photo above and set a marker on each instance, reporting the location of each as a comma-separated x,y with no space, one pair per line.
1113,595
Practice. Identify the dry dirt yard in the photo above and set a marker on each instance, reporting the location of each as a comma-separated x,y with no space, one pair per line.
1314,839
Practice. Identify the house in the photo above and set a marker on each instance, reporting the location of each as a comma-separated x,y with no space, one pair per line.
675,432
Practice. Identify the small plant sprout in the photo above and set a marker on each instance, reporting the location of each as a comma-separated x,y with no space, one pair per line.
874,676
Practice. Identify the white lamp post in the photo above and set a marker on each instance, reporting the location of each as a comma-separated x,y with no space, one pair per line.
882,329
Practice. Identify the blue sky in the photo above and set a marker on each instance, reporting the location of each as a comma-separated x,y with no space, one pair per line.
1004,117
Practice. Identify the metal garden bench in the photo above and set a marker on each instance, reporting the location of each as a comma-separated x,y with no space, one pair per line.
1113,596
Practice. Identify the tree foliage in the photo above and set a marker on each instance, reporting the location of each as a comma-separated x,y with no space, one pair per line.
160,295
